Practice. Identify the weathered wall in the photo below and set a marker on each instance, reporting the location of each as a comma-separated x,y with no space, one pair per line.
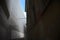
17,18
48,26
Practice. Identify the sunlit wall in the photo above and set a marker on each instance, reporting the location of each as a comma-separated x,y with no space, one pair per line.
17,18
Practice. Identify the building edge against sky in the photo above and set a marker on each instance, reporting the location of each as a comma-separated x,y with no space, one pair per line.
16,15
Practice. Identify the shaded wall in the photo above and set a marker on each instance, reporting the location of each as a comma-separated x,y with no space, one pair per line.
48,25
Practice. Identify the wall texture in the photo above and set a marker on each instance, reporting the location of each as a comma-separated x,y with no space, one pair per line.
17,18
48,25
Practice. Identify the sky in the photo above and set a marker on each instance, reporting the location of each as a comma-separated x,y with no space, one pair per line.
22,3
